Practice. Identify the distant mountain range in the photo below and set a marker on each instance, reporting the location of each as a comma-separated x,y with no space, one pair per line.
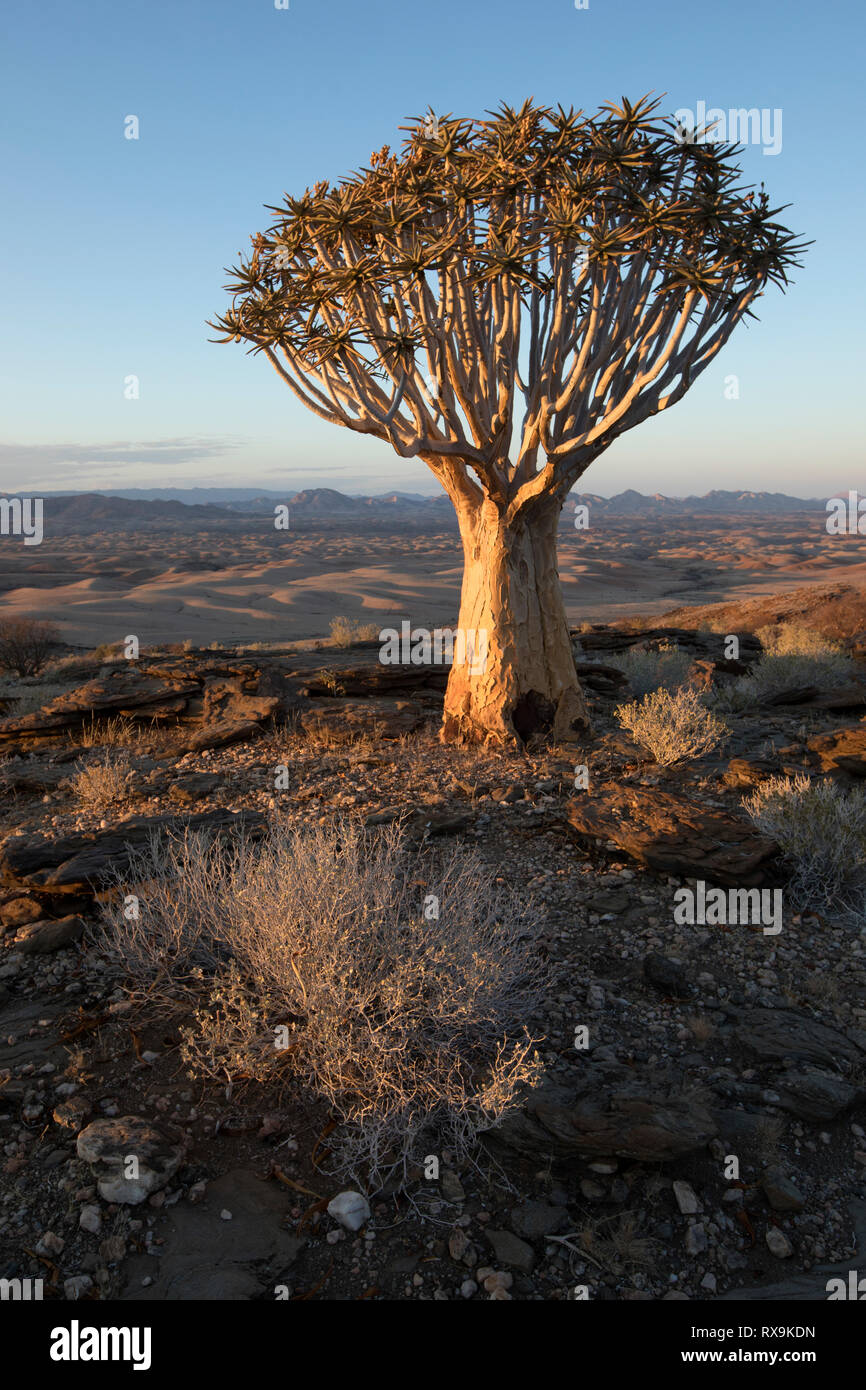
157,508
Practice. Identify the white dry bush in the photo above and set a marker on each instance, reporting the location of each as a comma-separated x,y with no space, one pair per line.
793,656
673,726
821,830
101,784
346,631
411,1030
664,666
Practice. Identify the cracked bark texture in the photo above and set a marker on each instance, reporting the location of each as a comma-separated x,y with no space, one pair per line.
512,600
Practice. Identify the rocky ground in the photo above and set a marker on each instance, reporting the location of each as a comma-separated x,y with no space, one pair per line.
700,1129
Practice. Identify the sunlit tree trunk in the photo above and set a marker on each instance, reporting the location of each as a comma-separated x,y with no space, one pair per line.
513,676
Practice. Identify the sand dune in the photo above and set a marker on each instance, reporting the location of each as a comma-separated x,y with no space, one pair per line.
248,584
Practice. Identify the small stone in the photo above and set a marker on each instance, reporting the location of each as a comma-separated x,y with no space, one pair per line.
666,974
511,1250
780,1191
468,1288
225,1215
50,1244
451,1187
350,1209
457,1244
592,1191
534,1219
686,1197
77,1286
72,1113
90,1219
696,1239
778,1243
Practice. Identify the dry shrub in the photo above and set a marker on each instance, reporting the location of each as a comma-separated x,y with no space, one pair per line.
346,631
794,655
25,645
661,666
820,828
100,785
318,940
673,726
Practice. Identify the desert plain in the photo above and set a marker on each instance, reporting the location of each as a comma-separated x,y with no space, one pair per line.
206,575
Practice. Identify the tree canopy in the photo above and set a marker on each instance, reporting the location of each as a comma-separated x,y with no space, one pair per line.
505,296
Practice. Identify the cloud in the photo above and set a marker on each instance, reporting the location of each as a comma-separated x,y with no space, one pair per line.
54,461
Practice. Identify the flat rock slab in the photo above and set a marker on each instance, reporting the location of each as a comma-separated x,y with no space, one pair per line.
778,1033
31,775
750,772
377,678
18,1015
671,834
620,639
848,697
628,1124
843,748
116,695
814,1096
40,938
207,1257
87,862
216,735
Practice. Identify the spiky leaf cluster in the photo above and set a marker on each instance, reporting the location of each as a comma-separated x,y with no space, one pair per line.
589,268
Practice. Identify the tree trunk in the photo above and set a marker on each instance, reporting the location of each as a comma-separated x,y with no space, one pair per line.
513,676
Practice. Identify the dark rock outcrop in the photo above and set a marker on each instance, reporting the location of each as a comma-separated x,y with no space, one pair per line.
671,834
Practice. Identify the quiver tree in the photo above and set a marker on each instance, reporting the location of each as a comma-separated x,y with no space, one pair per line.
503,299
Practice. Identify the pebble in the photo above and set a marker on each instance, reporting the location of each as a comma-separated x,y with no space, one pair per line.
351,1209
90,1219
686,1198
778,1243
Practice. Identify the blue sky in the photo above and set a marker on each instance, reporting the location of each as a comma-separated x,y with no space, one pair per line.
113,249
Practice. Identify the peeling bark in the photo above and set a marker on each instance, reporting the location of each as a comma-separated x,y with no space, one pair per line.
512,610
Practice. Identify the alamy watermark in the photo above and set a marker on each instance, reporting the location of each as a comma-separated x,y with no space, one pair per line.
846,517
420,647
21,1290
738,126
720,907
22,516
